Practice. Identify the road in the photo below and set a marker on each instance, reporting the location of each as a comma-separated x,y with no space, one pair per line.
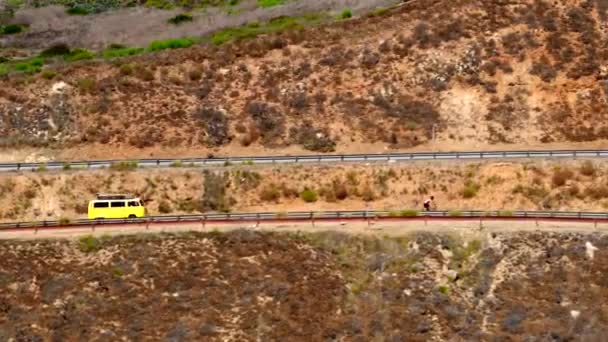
307,159
391,228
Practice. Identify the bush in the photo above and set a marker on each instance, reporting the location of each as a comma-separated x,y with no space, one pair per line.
269,3
60,49
164,207
48,74
270,193
309,195
116,52
170,44
409,213
180,18
78,10
12,29
64,221
89,244
86,84
470,189
346,14
124,166
79,55
30,67
588,169
560,176
544,70
214,196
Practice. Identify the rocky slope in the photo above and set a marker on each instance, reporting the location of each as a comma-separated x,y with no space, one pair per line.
250,286
476,72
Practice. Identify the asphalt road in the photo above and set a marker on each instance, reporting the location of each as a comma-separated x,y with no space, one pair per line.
306,159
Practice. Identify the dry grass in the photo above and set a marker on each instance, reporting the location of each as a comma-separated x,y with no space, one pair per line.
488,186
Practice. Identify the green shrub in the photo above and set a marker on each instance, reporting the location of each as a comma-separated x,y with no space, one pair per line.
177,163
78,10
86,84
32,66
347,13
160,4
79,55
470,189
309,195
12,29
117,52
505,213
378,12
455,213
127,69
409,213
49,74
89,244
444,289
170,44
4,69
269,3
67,166
180,18
124,165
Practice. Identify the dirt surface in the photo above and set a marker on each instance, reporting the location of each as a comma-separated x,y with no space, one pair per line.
478,74
248,285
140,25
506,186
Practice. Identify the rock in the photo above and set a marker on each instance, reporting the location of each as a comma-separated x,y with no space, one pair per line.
590,249
452,275
574,313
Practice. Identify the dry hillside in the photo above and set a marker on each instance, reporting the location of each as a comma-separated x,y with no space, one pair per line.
576,186
251,286
481,72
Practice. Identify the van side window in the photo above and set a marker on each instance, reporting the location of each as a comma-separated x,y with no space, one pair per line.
101,205
141,203
133,204
118,204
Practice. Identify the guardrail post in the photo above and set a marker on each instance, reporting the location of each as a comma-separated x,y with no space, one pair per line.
147,224
312,218
18,166
157,162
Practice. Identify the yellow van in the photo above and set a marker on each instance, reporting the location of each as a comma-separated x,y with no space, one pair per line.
116,206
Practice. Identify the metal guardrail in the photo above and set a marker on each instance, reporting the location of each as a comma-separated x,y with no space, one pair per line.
319,216
303,159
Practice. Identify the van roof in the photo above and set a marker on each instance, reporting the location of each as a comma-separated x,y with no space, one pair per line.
115,199
114,196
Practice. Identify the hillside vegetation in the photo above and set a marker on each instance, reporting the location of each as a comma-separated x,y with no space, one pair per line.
479,72
251,286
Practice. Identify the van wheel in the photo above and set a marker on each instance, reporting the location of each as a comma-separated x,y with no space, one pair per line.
132,216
